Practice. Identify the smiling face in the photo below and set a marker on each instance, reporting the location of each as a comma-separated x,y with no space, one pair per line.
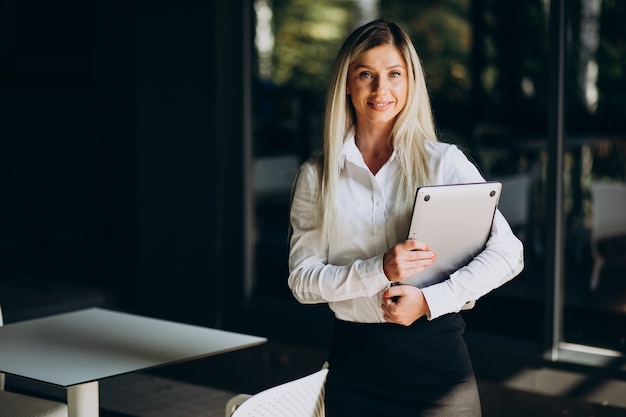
377,83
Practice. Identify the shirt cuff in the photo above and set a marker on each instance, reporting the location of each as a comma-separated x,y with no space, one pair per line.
372,274
440,299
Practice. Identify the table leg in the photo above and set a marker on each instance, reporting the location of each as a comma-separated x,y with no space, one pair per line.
83,400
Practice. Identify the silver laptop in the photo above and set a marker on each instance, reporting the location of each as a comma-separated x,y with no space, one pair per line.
455,222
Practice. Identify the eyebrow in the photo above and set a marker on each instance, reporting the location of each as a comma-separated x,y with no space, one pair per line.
360,66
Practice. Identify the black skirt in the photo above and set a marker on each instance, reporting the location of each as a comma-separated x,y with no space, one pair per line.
392,370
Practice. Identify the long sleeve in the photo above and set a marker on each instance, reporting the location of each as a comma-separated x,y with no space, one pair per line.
499,262
311,278
348,274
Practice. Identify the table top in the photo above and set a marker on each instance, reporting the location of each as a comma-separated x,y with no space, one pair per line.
93,344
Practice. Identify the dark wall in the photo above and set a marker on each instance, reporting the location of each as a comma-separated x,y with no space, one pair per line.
121,155
174,118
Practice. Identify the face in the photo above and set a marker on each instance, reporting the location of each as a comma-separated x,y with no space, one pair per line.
378,84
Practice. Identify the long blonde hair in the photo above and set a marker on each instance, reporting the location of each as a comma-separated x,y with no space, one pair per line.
413,125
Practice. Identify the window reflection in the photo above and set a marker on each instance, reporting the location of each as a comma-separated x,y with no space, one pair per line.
486,64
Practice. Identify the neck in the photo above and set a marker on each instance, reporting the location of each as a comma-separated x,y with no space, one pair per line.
374,136
375,150
373,143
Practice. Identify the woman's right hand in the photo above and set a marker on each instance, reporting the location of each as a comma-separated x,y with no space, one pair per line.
406,259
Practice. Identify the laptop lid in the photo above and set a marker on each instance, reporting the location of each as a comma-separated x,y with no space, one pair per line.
455,222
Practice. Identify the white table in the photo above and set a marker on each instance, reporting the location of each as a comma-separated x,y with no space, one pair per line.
76,350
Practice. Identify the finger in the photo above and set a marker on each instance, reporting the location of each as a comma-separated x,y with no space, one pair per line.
385,309
388,305
421,255
389,317
414,244
390,300
427,254
393,291
421,262
387,314
390,295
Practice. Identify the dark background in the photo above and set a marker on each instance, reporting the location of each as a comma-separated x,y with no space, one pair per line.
124,156
121,154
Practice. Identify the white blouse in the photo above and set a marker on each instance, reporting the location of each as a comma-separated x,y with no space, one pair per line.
350,276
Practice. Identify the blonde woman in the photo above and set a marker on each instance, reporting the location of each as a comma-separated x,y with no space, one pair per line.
396,350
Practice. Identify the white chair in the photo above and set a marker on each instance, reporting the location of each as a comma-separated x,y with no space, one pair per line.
18,405
608,220
303,397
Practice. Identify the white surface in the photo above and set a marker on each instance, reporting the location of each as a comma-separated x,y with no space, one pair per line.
302,397
89,345
455,222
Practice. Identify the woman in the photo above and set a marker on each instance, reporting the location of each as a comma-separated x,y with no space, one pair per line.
396,350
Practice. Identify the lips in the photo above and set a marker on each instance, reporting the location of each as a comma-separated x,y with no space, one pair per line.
380,105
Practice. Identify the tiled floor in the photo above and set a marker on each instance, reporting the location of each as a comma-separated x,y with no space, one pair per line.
143,395
523,391
140,395
147,395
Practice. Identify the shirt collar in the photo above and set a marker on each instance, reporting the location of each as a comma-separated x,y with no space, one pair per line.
351,153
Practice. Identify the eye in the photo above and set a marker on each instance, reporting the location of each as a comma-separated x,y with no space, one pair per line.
365,75
394,74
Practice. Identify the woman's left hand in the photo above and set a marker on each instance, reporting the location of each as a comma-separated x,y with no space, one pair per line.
403,304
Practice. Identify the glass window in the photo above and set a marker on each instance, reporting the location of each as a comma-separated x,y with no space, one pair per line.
295,44
487,70
595,190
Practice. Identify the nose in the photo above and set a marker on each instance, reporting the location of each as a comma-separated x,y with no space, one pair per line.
381,85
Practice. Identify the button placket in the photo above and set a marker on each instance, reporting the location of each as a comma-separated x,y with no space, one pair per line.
378,216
